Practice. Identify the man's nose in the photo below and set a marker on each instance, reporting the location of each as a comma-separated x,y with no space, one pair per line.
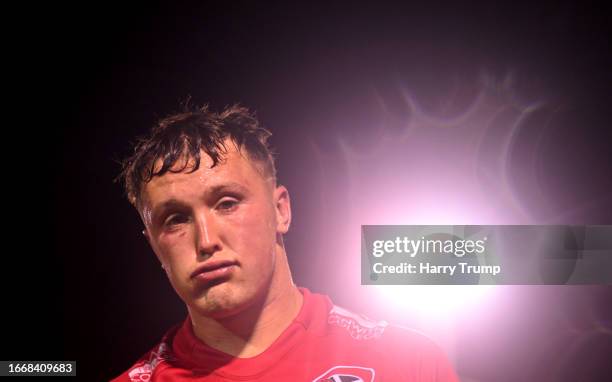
207,236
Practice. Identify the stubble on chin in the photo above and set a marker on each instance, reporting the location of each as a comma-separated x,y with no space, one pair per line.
216,302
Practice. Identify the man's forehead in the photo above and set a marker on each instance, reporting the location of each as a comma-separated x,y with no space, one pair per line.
233,167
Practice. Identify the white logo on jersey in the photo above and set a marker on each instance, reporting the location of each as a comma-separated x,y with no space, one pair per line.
347,374
359,327
143,372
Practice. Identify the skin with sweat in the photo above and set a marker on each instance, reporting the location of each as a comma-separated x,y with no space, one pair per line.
232,216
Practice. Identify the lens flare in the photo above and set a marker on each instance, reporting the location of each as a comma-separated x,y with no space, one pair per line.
435,301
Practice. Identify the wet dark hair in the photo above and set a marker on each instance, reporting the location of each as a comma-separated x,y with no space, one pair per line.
181,137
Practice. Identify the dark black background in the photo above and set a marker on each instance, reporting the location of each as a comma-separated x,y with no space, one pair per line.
88,287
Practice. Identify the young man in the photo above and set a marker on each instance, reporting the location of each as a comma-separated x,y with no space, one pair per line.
204,184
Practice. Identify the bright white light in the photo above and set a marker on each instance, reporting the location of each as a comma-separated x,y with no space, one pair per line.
435,301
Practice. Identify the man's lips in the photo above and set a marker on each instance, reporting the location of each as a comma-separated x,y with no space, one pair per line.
213,270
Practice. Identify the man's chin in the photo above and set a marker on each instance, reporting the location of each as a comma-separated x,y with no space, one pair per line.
219,301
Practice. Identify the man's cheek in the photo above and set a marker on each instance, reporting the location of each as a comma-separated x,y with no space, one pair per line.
257,224
174,259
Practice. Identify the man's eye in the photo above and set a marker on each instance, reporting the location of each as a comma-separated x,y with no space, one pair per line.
176,219
227,204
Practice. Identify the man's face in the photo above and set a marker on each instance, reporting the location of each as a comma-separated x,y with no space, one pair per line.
215,231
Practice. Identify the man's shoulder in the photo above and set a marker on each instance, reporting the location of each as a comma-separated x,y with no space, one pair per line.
361,327
411,354
152,361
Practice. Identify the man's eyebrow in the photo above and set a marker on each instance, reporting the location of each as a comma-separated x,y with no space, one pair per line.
224,187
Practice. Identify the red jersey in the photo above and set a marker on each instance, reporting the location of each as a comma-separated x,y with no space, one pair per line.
324,343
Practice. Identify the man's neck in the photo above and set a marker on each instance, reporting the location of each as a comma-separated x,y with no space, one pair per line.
252,331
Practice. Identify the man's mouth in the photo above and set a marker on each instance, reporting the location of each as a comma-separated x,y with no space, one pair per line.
214,271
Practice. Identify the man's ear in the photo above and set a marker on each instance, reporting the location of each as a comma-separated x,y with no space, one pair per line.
282,207
147,235
145,216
